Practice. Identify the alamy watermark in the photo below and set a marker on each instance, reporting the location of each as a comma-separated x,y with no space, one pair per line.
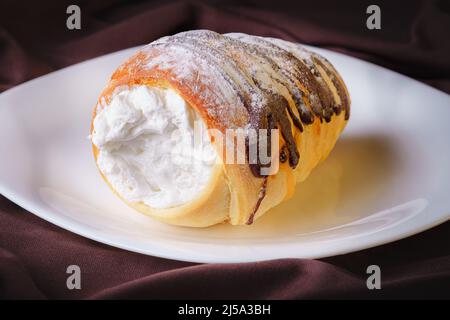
374,280
73,21
231,146
373,22
74,280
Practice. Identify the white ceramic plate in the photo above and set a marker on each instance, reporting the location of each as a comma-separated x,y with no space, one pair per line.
387,178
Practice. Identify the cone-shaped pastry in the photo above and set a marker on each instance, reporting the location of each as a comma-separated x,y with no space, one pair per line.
203,84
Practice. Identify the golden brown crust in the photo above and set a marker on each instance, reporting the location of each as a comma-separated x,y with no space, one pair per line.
234,88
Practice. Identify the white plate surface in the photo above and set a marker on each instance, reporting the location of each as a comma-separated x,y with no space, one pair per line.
387,178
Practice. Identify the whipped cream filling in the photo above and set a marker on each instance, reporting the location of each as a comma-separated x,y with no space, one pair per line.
147,145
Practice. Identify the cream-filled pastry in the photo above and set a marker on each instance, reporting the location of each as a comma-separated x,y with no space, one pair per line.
146,150
202,84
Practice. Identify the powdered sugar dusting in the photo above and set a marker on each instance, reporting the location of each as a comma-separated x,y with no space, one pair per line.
243,81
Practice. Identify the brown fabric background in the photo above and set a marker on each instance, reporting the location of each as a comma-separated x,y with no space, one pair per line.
34,254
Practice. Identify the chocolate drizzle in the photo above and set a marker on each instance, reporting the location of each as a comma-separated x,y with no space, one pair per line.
331,73
277,82
283,154
261,195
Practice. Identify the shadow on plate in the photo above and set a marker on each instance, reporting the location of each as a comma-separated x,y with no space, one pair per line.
345,187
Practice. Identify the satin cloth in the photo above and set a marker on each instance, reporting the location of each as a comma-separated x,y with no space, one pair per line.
34,254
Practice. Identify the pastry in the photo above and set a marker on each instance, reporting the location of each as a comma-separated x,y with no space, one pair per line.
285,105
